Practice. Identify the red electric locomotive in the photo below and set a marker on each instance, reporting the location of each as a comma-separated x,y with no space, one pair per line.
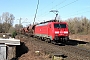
52,31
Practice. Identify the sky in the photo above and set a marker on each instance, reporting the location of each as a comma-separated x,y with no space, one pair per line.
26,9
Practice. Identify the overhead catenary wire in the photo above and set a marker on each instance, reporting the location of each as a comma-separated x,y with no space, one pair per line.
68,4
59,4
44,8
24,20
54,7
63,6
79,13
35,13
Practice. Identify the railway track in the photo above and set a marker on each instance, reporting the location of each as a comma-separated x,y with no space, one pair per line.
71,52
78,52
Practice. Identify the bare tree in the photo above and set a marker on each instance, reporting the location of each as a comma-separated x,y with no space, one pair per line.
70,25
6,27
8,18
11,30
79,25
7,21
85,25
18,26
1,20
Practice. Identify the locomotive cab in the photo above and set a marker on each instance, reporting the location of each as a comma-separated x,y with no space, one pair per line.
61,31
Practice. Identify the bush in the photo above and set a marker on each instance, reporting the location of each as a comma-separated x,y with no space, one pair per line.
14,34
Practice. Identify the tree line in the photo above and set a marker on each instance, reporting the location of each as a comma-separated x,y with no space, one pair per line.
79,25
6,23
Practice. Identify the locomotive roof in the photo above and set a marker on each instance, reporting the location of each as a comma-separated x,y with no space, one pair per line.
48,21
51,23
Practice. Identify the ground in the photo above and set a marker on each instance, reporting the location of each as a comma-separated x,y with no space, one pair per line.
32,48
80,37
32,54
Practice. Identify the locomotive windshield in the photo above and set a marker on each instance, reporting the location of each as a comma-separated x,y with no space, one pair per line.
59,25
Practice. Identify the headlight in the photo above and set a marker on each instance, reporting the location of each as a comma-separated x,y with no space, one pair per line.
65,32
56,32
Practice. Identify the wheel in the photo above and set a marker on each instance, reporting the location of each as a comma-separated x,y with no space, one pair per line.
66,38
53,42
42,39
48,40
